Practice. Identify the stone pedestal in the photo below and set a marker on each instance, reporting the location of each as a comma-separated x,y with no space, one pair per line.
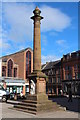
39,79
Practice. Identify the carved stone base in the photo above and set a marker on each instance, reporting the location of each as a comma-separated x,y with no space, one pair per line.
42,102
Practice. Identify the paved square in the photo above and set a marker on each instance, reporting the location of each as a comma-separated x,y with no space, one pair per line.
9,113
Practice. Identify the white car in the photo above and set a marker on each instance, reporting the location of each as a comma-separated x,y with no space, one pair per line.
4,95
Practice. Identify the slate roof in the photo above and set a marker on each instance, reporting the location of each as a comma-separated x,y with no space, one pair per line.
51,65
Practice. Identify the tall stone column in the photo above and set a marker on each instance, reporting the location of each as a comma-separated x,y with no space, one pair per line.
38,78
37,40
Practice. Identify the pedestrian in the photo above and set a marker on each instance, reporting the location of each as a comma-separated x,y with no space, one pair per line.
61,92
70,96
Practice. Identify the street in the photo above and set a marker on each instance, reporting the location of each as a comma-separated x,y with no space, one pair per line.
7,112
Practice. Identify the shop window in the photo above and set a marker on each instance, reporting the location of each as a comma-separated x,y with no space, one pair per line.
21,89
3,70
10,89
10,68
27,89
28,63
18,89
77,75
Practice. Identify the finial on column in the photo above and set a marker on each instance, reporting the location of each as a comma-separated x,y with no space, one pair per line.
37,13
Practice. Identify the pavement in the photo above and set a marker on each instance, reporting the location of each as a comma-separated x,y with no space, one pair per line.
73,106
6,112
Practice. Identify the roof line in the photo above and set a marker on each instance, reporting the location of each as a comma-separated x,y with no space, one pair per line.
17,52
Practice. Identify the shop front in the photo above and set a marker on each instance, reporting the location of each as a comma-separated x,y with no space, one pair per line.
14,85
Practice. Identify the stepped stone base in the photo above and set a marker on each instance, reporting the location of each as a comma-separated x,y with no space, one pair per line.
42,102
38,102
35,104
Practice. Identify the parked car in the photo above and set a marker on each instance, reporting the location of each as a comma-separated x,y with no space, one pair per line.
4,95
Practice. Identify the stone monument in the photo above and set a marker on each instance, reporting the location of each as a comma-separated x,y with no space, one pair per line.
37,100
38,77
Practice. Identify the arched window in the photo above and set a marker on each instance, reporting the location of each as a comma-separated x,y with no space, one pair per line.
10,68
28,63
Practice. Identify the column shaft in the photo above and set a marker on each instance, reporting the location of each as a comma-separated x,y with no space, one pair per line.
37,46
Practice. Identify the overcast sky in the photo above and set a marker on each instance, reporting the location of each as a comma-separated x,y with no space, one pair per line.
59,28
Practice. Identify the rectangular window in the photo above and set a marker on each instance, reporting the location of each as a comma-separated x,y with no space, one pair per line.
66,77
15,72
4,71
50,80
54,80
66,67
59,80
76,67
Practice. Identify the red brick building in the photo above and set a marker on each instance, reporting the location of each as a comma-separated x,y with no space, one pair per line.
63,75
70,65
53,71
17,66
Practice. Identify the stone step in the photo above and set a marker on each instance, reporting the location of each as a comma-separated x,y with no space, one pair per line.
34,108
35,102
28,108
25,110
25,107
29,101
27,104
